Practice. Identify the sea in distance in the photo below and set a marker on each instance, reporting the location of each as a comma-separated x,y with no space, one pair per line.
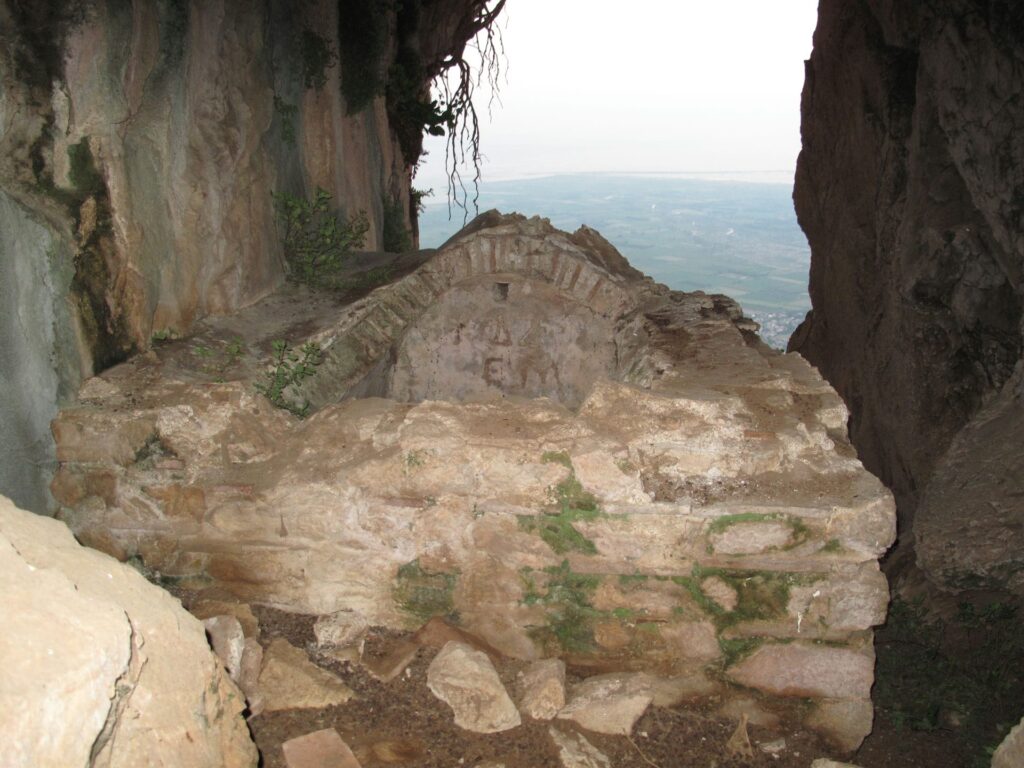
739,238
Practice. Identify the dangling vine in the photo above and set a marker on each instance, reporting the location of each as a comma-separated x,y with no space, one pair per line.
456,84
431,40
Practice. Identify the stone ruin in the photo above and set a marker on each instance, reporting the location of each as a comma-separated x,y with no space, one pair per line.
523,435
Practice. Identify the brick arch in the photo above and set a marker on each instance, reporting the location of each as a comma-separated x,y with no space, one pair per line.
532,250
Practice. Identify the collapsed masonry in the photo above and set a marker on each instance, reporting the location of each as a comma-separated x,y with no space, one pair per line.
524,435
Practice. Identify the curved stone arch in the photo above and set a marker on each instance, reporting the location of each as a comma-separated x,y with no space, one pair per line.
361,345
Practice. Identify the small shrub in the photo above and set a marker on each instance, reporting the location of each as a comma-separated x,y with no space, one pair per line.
289,368
316,244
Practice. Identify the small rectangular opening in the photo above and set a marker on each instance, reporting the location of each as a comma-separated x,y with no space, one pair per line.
501,291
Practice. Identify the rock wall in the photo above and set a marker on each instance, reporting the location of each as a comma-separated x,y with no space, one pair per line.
101,668
140,145
698,513
909,190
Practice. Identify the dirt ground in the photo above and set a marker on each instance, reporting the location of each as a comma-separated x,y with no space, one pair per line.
402,723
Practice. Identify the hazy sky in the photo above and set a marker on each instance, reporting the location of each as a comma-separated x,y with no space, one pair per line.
644,86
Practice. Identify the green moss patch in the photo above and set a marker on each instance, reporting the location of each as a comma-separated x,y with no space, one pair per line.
566,597
761,595
424,594
573,503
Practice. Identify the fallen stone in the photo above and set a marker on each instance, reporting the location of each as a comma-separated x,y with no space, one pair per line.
207,609
289,680
249,675
466,681
609,703
824,762
340,630
391,666
541,688
320,749
227,640
576,752
91,650
797,669
1010,753
774,747
843,722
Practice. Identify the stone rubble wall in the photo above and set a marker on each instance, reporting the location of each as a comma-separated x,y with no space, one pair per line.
701,514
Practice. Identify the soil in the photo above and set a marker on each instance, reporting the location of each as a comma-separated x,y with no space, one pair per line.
402,723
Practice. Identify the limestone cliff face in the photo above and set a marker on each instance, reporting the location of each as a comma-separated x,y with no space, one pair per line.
140,144
909,188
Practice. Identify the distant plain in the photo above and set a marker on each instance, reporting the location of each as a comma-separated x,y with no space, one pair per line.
733,237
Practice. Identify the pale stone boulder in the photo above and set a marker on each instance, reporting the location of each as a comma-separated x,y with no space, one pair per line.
845,722
289,680
249,675
610,703
823,762
576,752
465,680
1010,753
91,649
542,689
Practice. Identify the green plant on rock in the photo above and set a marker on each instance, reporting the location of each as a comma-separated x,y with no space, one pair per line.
288,369
573,503
316,244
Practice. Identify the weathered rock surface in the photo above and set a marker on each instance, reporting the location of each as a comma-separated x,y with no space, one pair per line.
1010,752
907,190
609,703
465,680
289,680
614,521
576,752
339,629
249,675
99,666
228,641
541,688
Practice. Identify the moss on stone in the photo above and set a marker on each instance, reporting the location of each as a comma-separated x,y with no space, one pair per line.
424,594
557,457
736,648
569,611
574,503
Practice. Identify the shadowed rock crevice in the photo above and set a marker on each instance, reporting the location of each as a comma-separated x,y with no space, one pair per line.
908,190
